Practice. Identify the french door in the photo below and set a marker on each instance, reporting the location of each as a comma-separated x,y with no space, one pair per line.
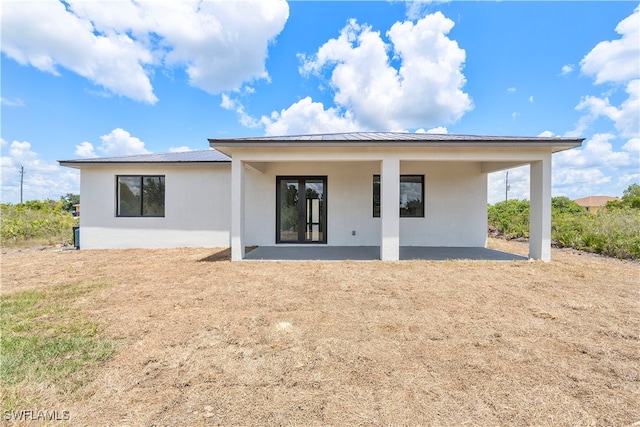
301,203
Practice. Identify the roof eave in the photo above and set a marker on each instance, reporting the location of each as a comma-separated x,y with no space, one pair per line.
81,163
220,145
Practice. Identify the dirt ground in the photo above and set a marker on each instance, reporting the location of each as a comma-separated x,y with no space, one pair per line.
203,341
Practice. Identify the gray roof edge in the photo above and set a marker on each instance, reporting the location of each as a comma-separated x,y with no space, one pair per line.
77,164
568,143
195,156
387,137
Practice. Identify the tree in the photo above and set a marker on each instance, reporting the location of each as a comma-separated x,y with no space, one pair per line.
564,204
630,199
631,196
69,201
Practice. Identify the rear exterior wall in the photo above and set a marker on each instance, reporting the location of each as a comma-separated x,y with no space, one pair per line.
197,212
454,194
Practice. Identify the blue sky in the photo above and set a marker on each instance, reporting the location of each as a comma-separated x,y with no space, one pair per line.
85,79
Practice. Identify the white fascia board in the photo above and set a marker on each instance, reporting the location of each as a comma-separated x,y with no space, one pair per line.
334,154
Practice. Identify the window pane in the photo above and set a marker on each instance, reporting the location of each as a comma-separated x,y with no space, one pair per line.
140,196
411,197
288,210
411,203
129,196
153,196
314,194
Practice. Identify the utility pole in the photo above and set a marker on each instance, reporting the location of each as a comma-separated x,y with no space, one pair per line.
506,188
22,172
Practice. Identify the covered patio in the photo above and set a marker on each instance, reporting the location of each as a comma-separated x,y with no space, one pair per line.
372,253
392,196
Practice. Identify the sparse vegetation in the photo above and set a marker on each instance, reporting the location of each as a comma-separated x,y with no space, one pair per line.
37,222
45,341
613,231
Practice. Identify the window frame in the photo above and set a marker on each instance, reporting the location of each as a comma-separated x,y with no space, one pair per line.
376,196
302,179
142,184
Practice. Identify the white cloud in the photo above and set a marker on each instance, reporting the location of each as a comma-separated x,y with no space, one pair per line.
235,105
576,183
546,134
40,176
426,89
531,99
306,116
117,45
632,146
12,102
46,35
118,142
515,115
180,149
85,149
616,61
596,152
566,69
417,8
596,168
439,130
626,118
511,89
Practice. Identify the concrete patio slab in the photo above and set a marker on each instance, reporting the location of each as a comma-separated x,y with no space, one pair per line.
369,253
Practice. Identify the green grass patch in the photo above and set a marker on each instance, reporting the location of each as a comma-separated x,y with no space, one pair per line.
44,339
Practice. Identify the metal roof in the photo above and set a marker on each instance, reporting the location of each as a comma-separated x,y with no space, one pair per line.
350,139
395,139
198,156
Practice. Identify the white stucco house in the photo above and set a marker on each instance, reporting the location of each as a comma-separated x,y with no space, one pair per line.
386,190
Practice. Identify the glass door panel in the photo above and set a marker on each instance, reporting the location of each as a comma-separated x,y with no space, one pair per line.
289,210
314,195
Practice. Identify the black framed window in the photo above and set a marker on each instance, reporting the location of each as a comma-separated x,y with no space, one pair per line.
140,196
411,196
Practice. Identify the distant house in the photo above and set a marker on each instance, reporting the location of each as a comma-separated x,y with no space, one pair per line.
371,189
594,203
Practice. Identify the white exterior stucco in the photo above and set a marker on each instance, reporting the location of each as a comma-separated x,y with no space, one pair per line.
455,203
197,210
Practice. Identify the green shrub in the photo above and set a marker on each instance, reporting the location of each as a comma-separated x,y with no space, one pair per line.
511,218
614,231
36,221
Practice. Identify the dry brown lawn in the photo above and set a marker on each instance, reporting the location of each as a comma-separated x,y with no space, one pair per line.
203,341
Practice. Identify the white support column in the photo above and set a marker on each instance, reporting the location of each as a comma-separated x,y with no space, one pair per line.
237,210
390,209
540,210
